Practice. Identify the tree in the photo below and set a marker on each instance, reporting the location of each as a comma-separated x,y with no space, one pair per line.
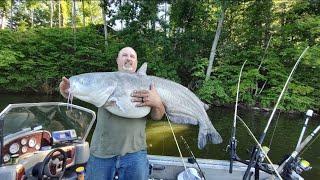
104,9
83,14
11,13
214,44
74,3
4,7
31,5
59,13
66,11
51,13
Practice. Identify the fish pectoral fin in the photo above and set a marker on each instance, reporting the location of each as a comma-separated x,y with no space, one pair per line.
120,106
100,97
182,119
113,101
110,103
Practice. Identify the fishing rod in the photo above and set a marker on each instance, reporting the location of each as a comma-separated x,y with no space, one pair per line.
290,163
233,141
254,160
192,156
264,153
308,116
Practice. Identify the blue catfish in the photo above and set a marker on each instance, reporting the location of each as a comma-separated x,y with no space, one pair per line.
112,90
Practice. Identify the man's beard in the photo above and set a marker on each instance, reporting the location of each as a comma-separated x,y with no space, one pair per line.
127,66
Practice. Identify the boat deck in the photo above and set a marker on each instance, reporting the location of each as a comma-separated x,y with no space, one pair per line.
168,168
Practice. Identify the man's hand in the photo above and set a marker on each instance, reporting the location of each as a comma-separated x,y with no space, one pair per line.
64,86
149,98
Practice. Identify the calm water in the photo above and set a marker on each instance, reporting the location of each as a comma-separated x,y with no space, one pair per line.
160,140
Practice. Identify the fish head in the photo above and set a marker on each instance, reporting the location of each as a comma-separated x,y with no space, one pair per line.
92,88
81,86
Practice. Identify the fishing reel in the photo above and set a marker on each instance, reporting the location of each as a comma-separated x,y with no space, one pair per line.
297,166
300,165
232,146
261,155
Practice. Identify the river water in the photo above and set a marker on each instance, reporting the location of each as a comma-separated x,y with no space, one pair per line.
281,140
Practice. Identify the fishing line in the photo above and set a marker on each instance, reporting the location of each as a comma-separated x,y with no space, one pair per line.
274,130
265,52
193,157
175,139
260,147
163,124
310,144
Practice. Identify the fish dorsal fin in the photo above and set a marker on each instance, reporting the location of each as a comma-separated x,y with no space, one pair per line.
143,69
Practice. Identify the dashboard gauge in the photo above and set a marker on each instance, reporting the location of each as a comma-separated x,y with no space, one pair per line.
32,142
14,148
24,149
6,158
37,146
24,141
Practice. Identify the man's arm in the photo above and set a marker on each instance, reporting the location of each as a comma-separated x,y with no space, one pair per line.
150,98
157,112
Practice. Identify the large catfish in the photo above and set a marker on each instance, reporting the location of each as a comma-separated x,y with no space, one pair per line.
112,90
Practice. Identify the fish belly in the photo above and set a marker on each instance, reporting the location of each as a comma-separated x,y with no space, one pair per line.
125,108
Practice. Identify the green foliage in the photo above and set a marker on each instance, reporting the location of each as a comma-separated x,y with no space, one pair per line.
210,91
205,91
298,98
214,91
178,49
199,68
36,60
8,58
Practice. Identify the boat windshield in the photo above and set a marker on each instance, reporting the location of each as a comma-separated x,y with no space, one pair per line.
50,116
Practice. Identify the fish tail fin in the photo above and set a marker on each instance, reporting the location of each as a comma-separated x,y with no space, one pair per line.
209,134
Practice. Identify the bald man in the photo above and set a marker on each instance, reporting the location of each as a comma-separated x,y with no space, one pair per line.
118,145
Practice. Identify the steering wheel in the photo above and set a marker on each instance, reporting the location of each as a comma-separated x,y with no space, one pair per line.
53,165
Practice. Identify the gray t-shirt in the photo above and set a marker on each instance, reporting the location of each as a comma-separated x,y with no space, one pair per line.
115,135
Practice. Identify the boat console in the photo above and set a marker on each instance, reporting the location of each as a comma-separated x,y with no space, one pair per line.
43,140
